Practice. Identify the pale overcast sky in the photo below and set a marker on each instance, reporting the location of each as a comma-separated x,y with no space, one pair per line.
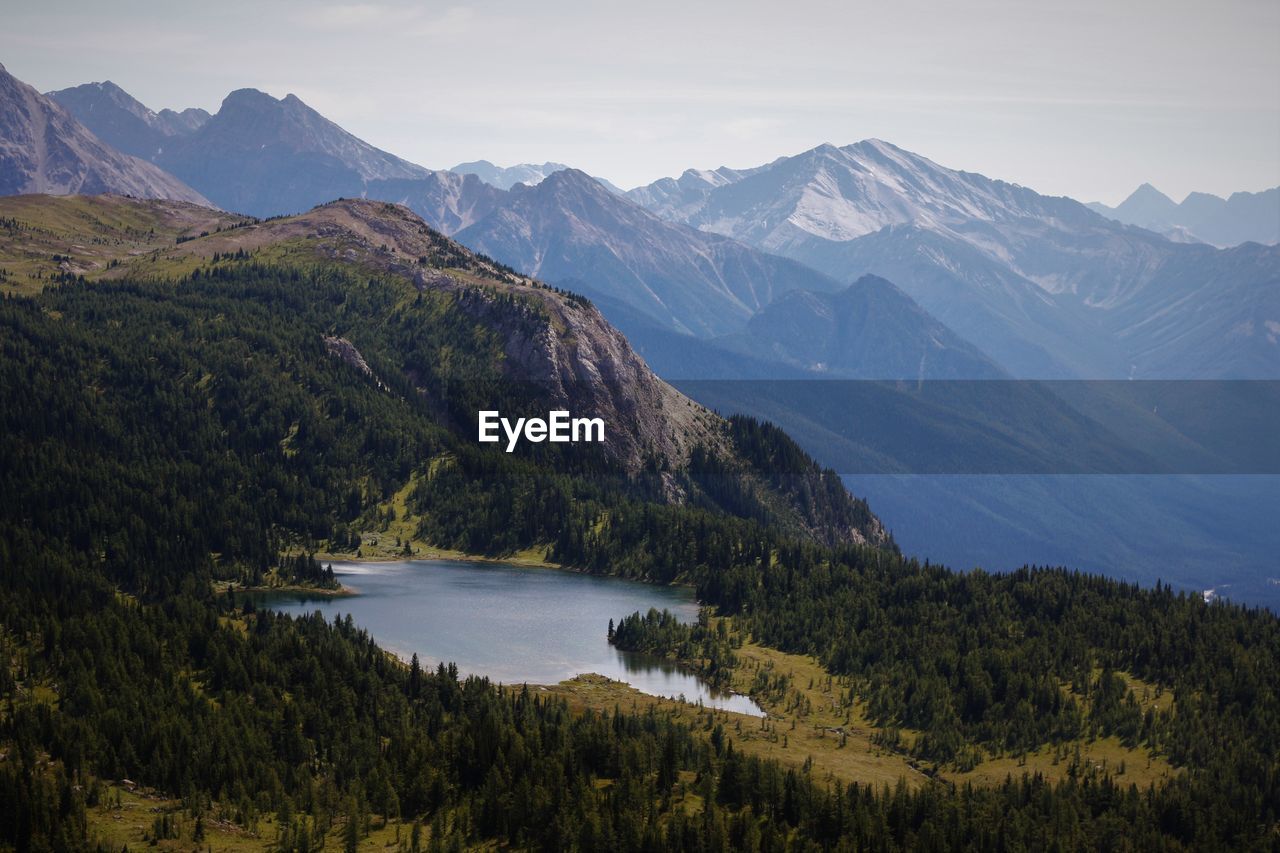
1085,98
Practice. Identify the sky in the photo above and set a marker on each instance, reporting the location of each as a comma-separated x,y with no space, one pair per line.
1086,99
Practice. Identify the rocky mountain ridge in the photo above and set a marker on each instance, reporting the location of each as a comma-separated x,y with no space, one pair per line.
1044,285
1202,217
44,149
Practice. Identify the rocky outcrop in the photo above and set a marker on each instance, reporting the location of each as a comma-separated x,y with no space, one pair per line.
346,351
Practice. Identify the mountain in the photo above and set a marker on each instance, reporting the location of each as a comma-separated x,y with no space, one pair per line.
1146,207
1043,285
1224,222
840,194
448,201
458,334
175,123
869,330
265,156
43,149
677,198
120,120
569,230
505,177
258,155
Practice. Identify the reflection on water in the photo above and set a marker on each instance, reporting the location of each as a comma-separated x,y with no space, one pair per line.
511,623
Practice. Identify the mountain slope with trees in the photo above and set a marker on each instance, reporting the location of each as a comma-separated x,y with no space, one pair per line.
186,417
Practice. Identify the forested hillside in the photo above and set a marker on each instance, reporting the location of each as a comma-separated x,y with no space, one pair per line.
210,410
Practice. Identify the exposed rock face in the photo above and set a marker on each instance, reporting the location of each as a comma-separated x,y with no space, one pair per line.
448,202
345,350
583,364
44,150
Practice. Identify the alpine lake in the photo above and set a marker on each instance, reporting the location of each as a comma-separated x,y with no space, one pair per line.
513,624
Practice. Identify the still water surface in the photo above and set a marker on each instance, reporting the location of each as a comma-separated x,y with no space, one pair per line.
513,624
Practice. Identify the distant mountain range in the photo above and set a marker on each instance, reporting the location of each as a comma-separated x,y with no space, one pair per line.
504,178
1043,285
257,155
1037,286
44,149
1202,217
531,174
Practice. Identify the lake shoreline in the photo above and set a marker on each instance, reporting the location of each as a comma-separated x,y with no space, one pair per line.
506,620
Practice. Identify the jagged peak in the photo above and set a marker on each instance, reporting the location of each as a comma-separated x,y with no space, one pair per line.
1146,191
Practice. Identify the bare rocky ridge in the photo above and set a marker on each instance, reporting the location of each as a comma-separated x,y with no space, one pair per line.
1201,217
43,149
124,122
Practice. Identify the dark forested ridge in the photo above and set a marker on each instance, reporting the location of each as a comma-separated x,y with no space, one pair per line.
159,435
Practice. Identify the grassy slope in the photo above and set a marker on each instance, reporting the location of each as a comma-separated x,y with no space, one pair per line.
126,818
89,233
810,720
